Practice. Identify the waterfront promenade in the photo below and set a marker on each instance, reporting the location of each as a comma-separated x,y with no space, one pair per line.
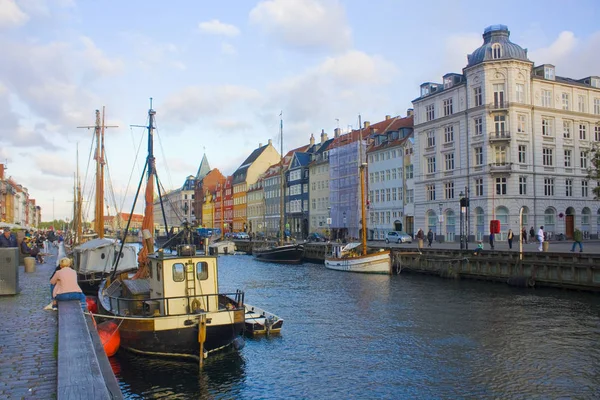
28,337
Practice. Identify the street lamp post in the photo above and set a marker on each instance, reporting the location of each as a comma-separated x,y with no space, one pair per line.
462,229
441,205
464,213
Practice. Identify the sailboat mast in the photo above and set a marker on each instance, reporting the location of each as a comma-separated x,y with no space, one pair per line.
148,222
282,175
99,203
362,165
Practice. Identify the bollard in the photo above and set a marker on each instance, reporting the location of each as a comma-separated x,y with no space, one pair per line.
29,263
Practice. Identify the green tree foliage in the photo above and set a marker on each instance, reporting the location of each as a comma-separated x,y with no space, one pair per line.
594,170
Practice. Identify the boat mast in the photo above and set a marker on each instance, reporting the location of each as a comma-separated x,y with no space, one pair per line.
282,175
148,222
361,166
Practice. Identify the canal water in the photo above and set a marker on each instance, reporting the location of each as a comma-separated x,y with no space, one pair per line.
380,337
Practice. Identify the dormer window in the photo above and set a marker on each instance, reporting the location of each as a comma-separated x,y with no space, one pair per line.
424,90
496,51
549,72
595,82
447,82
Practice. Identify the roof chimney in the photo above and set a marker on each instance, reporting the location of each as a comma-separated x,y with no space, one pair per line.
366,124
312,139
388,117
410,112
260,145
269,142
323,136
336,133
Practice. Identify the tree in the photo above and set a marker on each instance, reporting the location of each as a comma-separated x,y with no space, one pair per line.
594,170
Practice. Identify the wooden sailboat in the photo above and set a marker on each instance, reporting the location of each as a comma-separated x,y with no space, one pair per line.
281,253
172,305
94,259
356,257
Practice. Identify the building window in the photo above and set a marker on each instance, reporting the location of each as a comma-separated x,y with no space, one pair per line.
478,126
583,159
410,196
388,173
568,158
496,51
581,103
546,98
597,133
409,171
388,194
500,155
431,139
582,132
565,101
431,165
478,156
449,134
430,189
549,186
546,127
584,188
522,154
479,187
567,129
522,185
430,110
547,157
569,187
500,125
448,107
520,93
521,123
597,106
449,161
394,174
449,190
549,72
478,96
499,95
500,186
395,193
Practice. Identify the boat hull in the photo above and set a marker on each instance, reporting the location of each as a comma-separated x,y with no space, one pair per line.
376,263
143,336
261,322
287,254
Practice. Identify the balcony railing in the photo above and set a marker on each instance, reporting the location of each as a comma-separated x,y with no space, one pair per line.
498,167
498,105
499,136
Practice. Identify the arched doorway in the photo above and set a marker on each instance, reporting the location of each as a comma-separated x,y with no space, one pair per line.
502,216
480,222
569,222
450,226
549,221
586,216
398,225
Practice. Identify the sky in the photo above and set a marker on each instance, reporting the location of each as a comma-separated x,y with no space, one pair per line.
221,73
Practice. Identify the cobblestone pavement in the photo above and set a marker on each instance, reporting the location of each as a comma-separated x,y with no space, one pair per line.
28,335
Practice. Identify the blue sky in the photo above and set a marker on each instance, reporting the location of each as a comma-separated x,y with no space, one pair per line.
221,72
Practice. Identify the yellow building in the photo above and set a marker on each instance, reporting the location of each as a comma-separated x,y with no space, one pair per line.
247,174
208,210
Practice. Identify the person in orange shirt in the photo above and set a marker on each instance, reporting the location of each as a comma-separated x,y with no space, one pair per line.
65,284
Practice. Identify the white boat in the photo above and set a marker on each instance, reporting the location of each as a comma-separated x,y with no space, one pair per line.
259,321
222,247
349,258
356,257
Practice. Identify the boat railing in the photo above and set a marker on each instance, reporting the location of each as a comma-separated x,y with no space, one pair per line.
172,306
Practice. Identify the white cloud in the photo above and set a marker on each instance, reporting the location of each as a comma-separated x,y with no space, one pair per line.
310,24
216,27
52,164
228,49
11,15
100,64
573,57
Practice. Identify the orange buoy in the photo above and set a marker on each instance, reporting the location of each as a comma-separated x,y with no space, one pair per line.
110,337
92,305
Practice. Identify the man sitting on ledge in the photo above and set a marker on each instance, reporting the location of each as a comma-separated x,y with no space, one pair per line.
65,284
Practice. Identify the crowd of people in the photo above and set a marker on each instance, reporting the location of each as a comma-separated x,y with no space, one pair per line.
34,244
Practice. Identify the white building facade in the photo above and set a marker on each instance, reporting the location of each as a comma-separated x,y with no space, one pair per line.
512,138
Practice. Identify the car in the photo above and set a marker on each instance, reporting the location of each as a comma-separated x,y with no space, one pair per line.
242,235
398,237
316,237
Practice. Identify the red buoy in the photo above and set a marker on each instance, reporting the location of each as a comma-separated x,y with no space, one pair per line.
110,337
92,305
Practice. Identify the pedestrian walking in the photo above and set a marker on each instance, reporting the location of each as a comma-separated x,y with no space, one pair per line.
531,235
524,236
420,237
540,238
492,237
429,237
509,236
577,238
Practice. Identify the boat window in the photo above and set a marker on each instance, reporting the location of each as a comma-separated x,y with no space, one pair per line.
151,270
102,256
178,272
202,271
158,270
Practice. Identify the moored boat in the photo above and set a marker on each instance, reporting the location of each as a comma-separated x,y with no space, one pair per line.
283,254
222,247
260,322
172,305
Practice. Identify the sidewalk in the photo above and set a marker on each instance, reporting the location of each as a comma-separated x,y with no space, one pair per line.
28,337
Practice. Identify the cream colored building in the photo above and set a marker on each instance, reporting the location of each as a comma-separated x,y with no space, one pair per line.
510,136
319,211
178,205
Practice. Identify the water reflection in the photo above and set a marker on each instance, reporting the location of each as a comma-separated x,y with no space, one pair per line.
392,337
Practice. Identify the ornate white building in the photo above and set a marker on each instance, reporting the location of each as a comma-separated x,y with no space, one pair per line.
510,136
